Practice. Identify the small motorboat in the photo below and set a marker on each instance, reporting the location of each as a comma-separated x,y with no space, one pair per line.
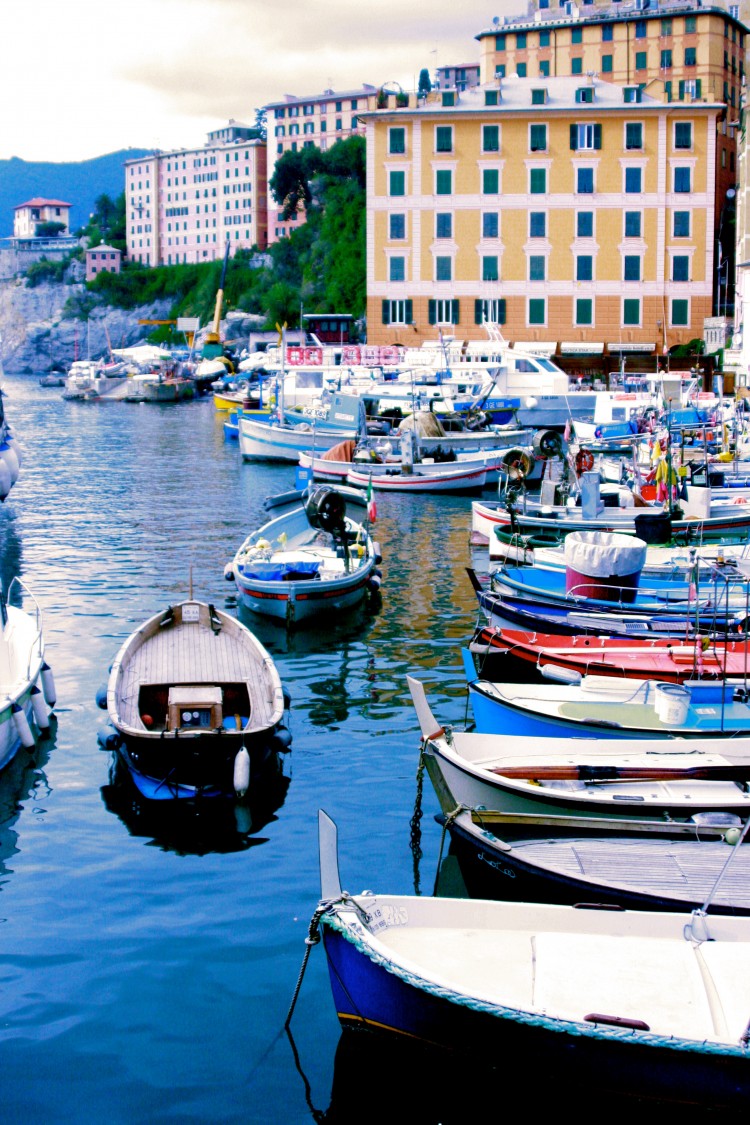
26,681
631,1003
196,704
316,557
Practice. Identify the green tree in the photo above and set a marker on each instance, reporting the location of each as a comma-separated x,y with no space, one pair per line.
49,229
425,85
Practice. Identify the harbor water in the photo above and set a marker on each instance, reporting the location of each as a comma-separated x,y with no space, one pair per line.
149,954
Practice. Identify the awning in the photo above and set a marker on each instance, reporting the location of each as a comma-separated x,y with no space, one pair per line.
580,348
634,347
538,347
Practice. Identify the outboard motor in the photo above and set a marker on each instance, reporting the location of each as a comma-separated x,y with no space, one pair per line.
326,509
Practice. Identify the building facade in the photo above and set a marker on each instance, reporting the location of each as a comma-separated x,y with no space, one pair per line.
102,259
28,216
462,76
185,205
295,123
559,209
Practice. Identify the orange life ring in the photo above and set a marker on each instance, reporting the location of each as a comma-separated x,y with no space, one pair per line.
584,461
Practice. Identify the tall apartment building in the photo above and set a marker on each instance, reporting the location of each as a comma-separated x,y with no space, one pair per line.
184,205
300,122
559,208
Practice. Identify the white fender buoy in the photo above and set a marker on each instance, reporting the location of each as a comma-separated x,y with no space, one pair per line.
242,772
10,458
6,481
560,675
41,715
48,685
22,727
229,572
374,582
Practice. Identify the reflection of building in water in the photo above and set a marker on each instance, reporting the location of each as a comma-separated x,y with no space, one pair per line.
198,827
10,547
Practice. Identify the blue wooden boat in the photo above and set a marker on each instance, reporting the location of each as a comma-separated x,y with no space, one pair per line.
600,705
643,1003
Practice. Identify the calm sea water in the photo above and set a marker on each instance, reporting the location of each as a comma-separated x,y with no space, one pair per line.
148,956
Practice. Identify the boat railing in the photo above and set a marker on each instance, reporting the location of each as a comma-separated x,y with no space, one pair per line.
36,646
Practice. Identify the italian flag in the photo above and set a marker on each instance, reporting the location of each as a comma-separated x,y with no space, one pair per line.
372,508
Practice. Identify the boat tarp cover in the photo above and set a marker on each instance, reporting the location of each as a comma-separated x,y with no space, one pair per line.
604,554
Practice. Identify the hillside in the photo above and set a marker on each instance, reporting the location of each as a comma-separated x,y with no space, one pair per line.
78,183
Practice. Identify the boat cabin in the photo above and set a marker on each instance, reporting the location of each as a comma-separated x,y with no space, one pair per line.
196,707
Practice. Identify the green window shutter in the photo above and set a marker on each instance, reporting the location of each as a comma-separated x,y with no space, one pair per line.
478,311
409,312
574,137
431,312
455,312
698,87
597,136
682,89
501,311
386,312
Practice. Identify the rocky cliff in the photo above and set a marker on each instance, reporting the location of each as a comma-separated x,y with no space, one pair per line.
37,333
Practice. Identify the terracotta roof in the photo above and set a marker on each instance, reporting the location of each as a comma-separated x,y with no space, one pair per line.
37,202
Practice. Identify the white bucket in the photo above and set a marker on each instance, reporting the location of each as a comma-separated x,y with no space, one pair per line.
671,703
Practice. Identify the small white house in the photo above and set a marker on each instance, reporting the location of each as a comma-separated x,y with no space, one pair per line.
29,215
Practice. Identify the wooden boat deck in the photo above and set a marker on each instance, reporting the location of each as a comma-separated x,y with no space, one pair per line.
195,654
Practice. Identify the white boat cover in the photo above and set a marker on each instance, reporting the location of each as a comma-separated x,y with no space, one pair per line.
604,554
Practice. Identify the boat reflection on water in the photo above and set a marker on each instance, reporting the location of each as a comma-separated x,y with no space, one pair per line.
22,780
199,827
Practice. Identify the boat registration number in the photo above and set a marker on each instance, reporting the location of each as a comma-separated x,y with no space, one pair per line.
191,612
381,917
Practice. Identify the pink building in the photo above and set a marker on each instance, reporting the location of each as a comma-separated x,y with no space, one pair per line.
28,216
300,122
102,259
463,76
184,205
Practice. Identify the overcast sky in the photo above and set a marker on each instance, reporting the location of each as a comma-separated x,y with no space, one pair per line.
80,78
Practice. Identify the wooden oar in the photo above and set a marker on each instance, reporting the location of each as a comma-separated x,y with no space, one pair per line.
727,772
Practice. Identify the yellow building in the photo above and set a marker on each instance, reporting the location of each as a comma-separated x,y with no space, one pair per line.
561,209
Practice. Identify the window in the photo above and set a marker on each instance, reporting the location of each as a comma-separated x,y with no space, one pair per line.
680,312
631,267
680,267
640,29
539,97
490,181
490,224
443,224
397,227
491,97
396,269
544,68
681,224
631,311
576,35
538,138
489,268
537,224
489,311
397,140
585,137
537,264
443,267
665,60
521,41
499,42
521,69
444,138
608,33
633,135
683,134
537,181
544,39
537,310
584,311
690,56
633,178
584,93
631,94
443,181
640,60
682,179
449,98
397,183
584,181
490,138
666,28
397,312
443,312
576,65
689,25
584,267
607,64
500,70
585,224
632,224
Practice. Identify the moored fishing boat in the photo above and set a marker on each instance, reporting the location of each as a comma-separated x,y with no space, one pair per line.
633,1003
314,558
194,698
26,681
